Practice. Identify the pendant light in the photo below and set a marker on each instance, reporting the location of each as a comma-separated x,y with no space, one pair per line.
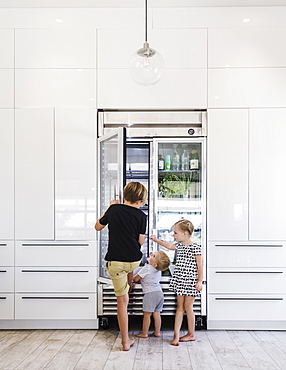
146,64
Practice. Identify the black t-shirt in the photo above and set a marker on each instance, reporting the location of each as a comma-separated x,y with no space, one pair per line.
125,224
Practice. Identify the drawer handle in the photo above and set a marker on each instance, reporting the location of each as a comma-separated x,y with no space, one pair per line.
55,298
54,270
55,245
249,245
249,272
3,245
3,297
249,299
3,271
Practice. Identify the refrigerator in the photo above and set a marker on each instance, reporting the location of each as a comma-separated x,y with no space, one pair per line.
166,151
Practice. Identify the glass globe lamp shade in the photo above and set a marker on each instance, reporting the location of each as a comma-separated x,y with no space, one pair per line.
146,66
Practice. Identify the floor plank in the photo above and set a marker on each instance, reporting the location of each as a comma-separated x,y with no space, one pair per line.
96,354
102,350
202,354
175,357
44,354
12,357
254,354
71,352
227,353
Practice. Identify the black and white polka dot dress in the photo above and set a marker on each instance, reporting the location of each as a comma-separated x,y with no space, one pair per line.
185,274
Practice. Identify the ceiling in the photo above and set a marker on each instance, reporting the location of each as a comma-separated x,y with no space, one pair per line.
136,3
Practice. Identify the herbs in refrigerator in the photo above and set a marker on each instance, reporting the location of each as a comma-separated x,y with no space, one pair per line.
174,186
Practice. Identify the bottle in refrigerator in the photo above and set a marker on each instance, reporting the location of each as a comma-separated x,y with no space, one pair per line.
185,159
194,160
167,162
161,162
175,159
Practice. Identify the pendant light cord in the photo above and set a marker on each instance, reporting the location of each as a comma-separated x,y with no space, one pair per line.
145,20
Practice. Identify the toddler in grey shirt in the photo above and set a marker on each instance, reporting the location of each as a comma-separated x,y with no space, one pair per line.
150,276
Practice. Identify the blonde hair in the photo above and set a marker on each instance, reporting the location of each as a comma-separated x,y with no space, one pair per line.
134,191
185,225
163,261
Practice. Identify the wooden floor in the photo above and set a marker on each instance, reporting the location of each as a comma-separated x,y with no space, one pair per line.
101,349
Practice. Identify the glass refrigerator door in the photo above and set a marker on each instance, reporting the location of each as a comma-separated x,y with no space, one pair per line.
179,168
112,169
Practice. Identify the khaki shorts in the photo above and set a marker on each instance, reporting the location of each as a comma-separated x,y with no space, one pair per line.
118,272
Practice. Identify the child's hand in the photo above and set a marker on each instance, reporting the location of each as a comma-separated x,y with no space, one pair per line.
153,238
114,201
199,286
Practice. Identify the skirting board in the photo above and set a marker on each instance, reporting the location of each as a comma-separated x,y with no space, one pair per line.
246,325
48,324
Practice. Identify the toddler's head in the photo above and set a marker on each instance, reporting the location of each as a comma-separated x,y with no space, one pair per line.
162,260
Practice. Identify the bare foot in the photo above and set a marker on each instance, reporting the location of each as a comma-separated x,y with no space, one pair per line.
156,334
141,335
187,338
126,347
175,342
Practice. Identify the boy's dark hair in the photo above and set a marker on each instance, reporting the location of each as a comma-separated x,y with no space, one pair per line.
163,261
134,191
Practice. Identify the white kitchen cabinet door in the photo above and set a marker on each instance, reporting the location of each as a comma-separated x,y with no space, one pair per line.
55,88
64,48
246,87
227,174
7,48
177,56
34,174
7,88
7,174
75,161
267,196
177,89
246,47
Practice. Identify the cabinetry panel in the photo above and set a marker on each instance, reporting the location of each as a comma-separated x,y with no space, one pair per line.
34,174
7,252
56,254
246,255
246,280
7,174
75,157
7,279
247,307
267,198
55,279
7,306
228,174
55,306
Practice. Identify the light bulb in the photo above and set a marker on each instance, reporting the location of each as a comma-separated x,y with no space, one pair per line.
146,66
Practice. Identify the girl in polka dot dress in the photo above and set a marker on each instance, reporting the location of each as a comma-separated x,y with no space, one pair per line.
186,281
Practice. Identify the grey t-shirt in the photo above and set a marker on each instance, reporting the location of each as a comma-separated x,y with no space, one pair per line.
150,279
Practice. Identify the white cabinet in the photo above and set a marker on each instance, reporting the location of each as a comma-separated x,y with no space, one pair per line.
246,285
75,157
7,88
34,174
71,88
227,174
7,175
64,48
7,48
267,197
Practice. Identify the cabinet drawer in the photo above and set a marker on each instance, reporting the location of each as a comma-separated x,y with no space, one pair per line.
7,279
56,253
6,306
55,306
7,252
246,255
55,279
246,280
252,307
